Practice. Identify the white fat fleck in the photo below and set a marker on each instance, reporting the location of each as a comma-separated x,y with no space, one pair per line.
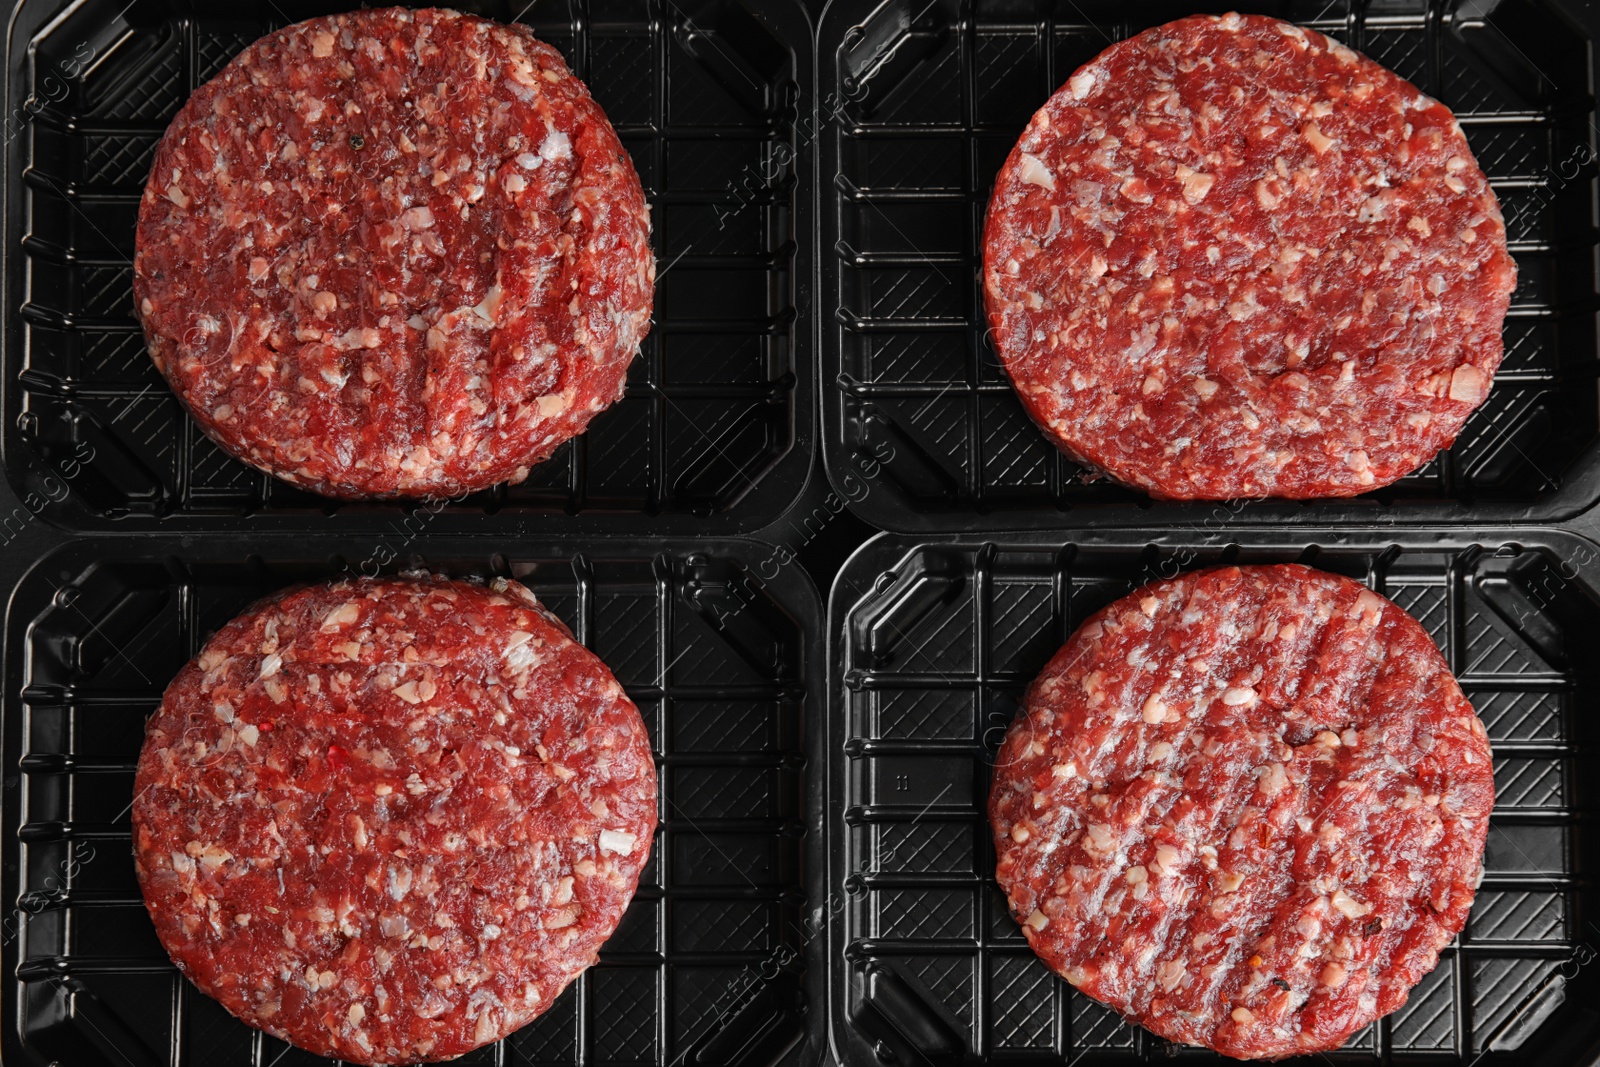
399,881
520,654
1098,839
1348,906
350,340
489,307
1468,384
343,615
1031,169
1081,84
1196,184
1368,607
617,841
270,665
557,145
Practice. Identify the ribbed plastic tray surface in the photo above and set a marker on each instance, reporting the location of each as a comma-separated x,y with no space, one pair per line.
710,965
928,97
716,428
933,644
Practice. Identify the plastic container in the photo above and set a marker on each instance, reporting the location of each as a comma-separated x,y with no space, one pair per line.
928,97
713,964
933,642
716,429
821,888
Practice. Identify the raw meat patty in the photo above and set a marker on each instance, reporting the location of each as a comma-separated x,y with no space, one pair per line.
390,820
394,253
1245,807
1233,258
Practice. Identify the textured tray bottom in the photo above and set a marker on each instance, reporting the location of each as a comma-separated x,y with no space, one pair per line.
716,421
929,98
940,640
709,961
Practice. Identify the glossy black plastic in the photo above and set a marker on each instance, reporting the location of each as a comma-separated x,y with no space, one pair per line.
714,964
716,430
932,643
926,99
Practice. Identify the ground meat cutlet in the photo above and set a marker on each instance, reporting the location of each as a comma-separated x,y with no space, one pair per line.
394,253
390,820
1232,258
1245,807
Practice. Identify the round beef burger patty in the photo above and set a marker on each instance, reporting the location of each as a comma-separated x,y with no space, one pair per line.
1245,808
389,820
1233,258
394,253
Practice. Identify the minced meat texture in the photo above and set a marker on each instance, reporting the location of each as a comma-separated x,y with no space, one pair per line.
389,820
1232,258
394,253
1245,808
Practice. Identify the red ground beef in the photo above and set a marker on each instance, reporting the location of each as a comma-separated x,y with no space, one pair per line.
1233,258
394,253
390,820
1245,807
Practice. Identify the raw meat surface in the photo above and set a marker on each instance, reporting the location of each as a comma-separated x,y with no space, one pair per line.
1245,807
388,820
1232,258
394,253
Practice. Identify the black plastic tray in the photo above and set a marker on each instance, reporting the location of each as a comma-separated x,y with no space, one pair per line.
714,964
932,644
716,431
929,97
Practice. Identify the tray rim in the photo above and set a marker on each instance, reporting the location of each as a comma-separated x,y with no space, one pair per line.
884,552
791,24
791,589
1579,492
